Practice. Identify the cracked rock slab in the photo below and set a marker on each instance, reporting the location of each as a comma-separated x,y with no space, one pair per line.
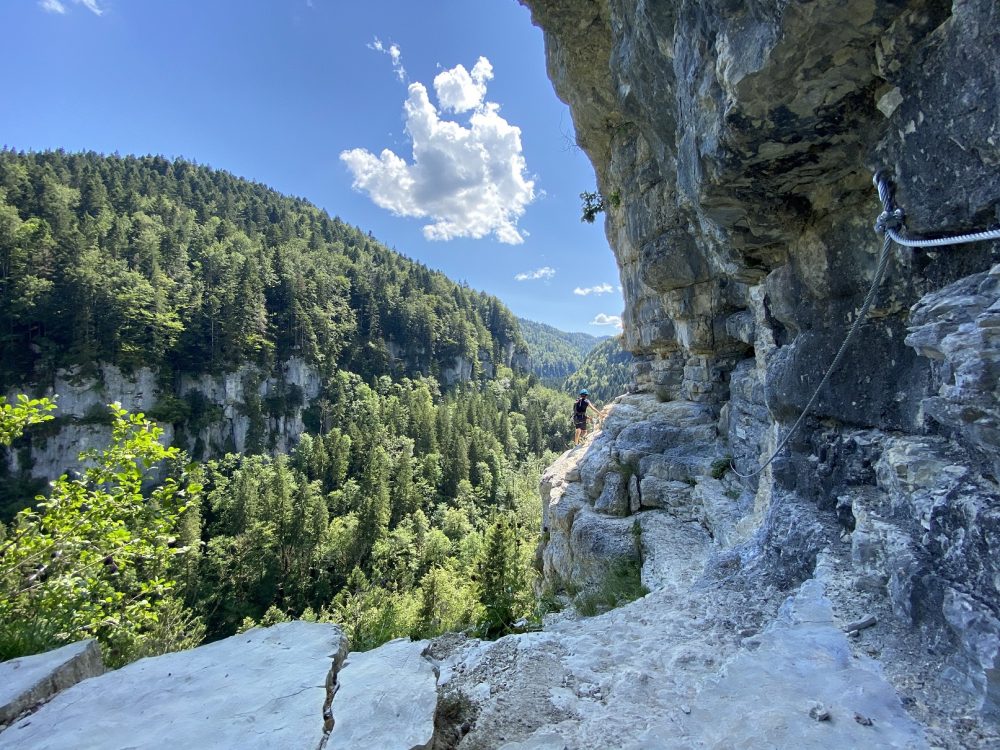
386,700
261,689
30,680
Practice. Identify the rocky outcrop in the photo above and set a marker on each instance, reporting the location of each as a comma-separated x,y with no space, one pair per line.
293,685
29,681
691,665
266,688
958,329
646,454
246,410
734,144
397,680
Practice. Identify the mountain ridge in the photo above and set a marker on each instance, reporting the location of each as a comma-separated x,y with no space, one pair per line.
555,353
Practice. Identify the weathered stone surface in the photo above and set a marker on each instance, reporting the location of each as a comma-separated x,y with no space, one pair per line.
585,492
952,569
634,494
592,466
614,497
802,657
739,140
387,698
958,327
664,493
265,688
599,544
720,509
30,680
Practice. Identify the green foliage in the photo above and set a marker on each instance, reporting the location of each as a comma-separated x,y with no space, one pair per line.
369,614
621,584
169,265
554,354
504,591
17,417
170,410
382,521
595,203
96,558
605,372
385,517
720,466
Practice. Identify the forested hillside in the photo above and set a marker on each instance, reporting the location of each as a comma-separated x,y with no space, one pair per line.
605,372
554,354
408,507
170,265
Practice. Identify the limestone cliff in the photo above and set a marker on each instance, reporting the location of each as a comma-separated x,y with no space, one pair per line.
735,143
244,410
215,413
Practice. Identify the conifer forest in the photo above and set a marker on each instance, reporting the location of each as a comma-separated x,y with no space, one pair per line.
408,506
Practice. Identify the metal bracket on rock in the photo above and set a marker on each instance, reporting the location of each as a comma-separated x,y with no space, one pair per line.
888,224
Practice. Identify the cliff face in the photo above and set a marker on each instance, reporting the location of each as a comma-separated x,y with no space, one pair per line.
735,143
244,410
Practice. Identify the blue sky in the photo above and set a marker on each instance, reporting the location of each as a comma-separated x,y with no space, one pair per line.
483,178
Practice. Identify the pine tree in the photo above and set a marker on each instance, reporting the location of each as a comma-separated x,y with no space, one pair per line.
502,581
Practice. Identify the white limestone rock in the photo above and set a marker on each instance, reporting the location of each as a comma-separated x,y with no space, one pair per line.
81,399
264,689
614,498
719,508
803,657
661,493
386,700
27,681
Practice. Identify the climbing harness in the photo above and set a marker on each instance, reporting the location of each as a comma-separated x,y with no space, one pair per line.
888,224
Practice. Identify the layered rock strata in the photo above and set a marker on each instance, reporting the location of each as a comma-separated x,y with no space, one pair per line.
734,144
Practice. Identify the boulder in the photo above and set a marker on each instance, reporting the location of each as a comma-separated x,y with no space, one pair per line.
614,499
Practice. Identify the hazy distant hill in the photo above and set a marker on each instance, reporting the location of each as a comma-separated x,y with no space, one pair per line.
605,371
555,354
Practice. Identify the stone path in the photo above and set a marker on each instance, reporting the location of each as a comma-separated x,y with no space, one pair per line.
683,667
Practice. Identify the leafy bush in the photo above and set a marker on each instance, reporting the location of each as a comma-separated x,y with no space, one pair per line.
95,558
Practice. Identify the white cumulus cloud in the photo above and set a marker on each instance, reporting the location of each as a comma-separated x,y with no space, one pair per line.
599,289
606,320
395,54
545,272
52,6
469,179
459,91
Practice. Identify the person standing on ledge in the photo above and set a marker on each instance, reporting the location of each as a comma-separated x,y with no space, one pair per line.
580,415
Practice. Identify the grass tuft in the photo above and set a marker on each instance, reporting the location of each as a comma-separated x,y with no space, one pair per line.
621,585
